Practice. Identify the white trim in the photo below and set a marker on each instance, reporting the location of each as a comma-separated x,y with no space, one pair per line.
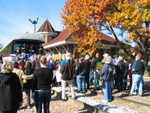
59,43
73,42
46,33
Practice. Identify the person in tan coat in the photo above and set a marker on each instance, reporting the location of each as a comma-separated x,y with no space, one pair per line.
21,75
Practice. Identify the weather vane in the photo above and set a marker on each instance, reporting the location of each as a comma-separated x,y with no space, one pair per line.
34,22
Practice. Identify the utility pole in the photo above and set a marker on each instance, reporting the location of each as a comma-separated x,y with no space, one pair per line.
34,22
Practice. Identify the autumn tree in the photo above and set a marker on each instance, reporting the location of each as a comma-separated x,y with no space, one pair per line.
89,17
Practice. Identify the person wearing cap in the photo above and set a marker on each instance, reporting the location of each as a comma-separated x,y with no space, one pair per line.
107,75
104,57
67,71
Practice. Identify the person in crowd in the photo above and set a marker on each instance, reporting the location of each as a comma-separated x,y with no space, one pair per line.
20,73
87,63
28,85
133,74
81,72
138,72
107,75
36,62
23,48
10,90
130,75
64,61
120,74
57,62
72,60
67,71
42,80
125,80
40,49
31,49
93,76
115,60
58,75
21,64
105,55
50,63
18,51
75,67
96,59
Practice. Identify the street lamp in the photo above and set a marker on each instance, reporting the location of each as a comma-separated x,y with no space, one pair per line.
34,22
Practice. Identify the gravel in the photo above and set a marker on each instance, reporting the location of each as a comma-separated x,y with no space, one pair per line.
58,106
108,107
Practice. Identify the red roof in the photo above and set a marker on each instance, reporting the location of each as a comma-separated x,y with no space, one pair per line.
65,35
46,27
108,39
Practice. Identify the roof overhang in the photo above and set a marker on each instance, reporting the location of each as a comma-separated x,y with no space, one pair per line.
47,33
28,36
107,46
59,43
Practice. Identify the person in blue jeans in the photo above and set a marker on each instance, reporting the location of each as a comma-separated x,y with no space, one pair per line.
42,80
138,70
107,75
42,97
91,77
81,72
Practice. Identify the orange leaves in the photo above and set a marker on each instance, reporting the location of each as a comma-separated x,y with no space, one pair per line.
86,15
143,3
132,16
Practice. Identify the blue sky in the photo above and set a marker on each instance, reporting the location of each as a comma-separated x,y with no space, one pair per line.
15,15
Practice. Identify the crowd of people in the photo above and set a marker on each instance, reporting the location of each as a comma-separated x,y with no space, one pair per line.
84,73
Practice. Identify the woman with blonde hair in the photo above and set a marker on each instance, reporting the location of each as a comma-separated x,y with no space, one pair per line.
10,89
42,79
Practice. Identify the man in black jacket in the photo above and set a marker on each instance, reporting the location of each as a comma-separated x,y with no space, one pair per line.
120,74
81,73
67,71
